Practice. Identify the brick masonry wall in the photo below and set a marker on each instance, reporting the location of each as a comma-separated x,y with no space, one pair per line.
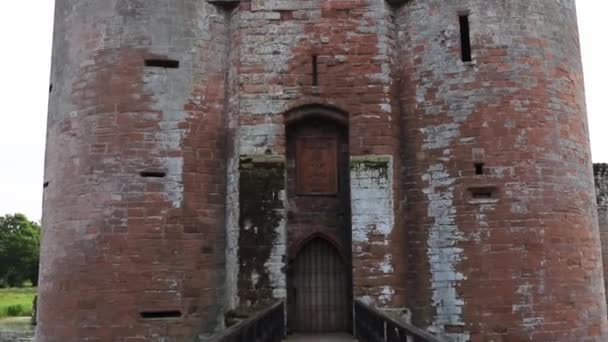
373,224
524,264
272,47
115,243
600,172
262,239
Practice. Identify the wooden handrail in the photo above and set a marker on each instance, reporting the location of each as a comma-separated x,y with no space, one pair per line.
265,326
371,325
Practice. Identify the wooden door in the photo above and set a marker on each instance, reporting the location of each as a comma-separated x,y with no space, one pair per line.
319,290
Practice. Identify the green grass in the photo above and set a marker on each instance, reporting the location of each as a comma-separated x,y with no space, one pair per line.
15,302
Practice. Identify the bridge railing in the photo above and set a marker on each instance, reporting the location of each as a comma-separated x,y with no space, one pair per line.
372,325
266,326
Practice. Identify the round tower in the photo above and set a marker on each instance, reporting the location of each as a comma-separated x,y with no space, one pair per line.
435,152
503,230
134,176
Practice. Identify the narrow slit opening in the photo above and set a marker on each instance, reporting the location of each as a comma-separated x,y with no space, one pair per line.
153,174
465,38
46,184
479,168
483,193
162,63
315,70
160,314
50,88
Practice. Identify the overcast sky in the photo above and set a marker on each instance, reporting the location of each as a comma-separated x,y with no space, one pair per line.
25,34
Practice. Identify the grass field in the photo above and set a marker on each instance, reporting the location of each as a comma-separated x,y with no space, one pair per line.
16,302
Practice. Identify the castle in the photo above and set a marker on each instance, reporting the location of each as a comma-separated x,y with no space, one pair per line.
210,158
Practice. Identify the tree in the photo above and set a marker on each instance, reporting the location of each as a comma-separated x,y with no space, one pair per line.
19,250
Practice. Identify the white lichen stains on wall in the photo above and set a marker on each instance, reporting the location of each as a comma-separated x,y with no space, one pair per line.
276,262
256,140
443,252
525,306
371,181
386,266
271,41
232,234
376,22
373,217
168,89
386,295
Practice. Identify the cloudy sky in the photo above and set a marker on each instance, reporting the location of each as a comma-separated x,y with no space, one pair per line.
25,34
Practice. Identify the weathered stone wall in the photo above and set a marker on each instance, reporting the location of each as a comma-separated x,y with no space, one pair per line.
116,243
512,253
373,223
232,162
600,172
273,44
262,237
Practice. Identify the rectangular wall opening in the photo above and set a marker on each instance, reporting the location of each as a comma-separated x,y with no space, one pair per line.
479,168
160,314
162,63
483,192
465,38
153,174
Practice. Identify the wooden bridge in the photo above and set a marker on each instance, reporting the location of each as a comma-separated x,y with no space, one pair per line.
370,325
335,337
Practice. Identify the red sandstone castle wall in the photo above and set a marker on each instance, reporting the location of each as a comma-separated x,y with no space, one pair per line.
524,264
116,243
273,47
600,172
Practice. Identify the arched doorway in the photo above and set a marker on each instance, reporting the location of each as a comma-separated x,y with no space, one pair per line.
319,277
319,285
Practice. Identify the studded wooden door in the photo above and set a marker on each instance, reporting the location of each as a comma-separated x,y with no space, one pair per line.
320,290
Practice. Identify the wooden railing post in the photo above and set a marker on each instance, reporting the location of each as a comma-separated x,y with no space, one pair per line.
371,325
266,326
385,336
